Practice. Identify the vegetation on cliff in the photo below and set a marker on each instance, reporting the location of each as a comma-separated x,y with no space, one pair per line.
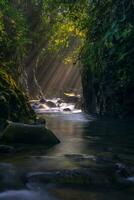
13,42
105,30
108,57
105,34
13,102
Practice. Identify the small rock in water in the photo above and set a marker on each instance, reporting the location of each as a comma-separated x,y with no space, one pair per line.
40,121
67,109
6,149
76,176
42,100
122,170
59,101
51,104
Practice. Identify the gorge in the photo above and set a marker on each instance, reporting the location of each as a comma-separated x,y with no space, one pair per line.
66,99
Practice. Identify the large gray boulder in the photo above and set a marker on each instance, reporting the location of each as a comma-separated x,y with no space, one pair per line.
28,134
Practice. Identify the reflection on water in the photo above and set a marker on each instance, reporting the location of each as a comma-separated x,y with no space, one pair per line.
70,130
82,134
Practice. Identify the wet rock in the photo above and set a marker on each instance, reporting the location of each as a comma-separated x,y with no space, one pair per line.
42,100
9,179
6,149
83,176
60,101
125,174
74,156
74,176
71,98
34,105
80,157
40,121
28,134
51,104
104,160
67,109
122,170
95,175
13,101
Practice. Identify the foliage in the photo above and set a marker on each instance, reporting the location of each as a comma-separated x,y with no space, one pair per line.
13,36
13,102
105,30
68,23
104,35
108,54
13,43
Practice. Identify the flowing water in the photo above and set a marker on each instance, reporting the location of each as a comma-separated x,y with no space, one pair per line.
101,149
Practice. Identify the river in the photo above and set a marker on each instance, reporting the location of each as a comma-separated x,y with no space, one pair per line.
102,149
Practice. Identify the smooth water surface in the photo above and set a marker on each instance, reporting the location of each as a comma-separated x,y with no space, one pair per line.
86,142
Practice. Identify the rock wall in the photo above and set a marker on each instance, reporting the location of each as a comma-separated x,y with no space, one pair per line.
13,102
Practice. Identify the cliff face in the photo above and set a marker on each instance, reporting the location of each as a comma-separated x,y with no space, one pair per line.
13,102
108,61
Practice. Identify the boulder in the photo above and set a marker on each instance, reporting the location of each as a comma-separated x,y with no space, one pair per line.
66,176
67,109
28,134
42,100
71,98
51,104
60,101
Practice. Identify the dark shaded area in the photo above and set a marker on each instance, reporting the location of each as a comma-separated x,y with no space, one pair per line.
108,61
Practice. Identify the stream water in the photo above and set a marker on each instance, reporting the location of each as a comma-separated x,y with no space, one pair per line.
101,149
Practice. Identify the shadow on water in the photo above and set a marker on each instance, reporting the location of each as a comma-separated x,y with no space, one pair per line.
87,143
80,133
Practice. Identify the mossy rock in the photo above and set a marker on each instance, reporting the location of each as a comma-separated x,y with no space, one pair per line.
14,103
28,134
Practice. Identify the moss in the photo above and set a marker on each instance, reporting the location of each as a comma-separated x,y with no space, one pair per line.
28,134
13,102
